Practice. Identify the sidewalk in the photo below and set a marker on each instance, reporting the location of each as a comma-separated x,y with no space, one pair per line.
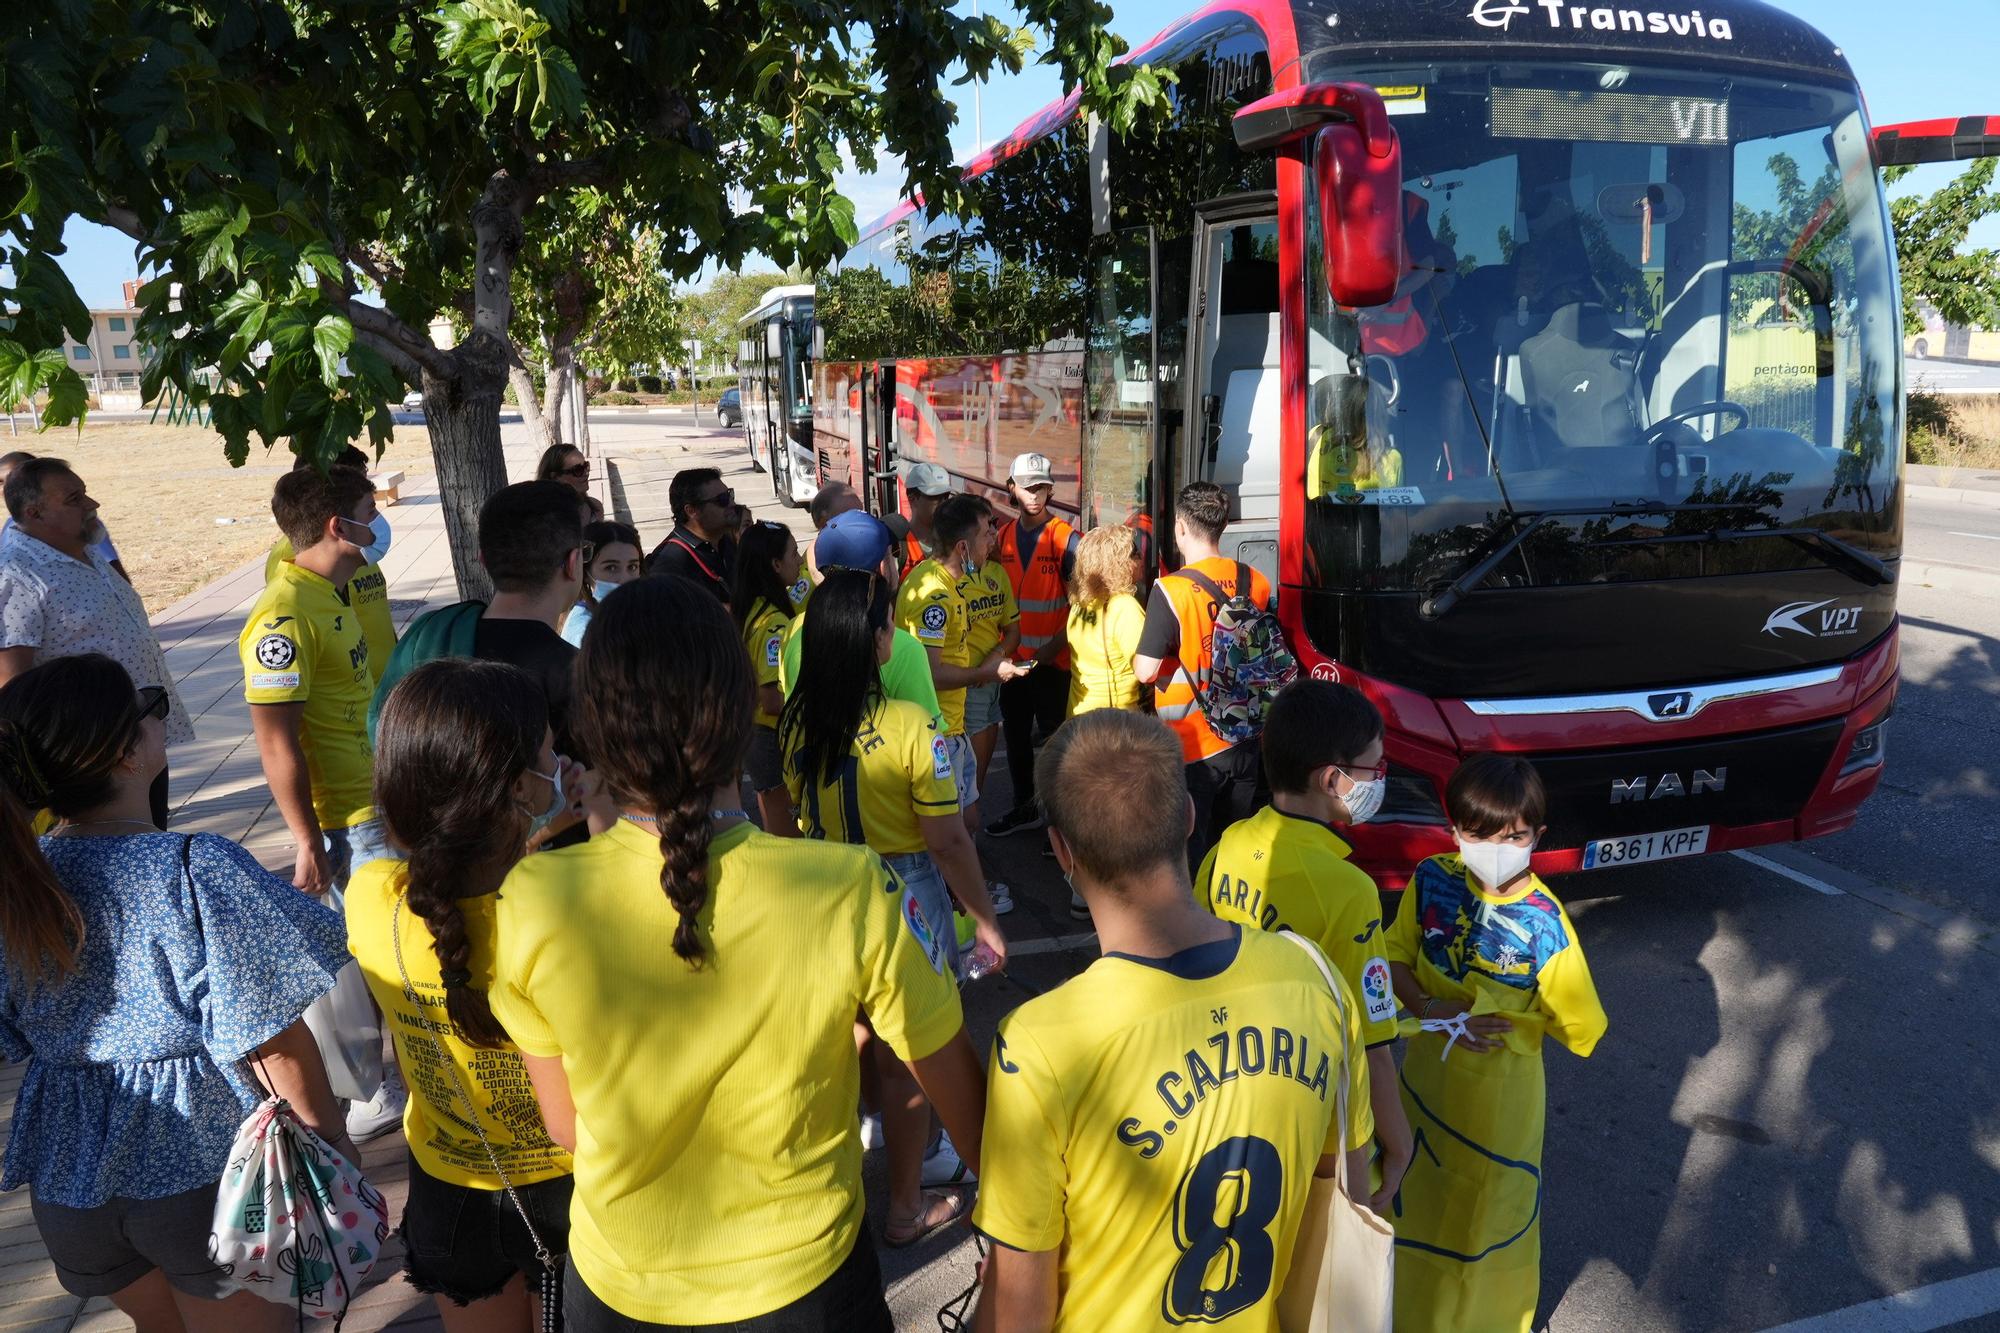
217,786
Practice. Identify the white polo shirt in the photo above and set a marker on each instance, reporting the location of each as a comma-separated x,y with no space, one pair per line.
61,607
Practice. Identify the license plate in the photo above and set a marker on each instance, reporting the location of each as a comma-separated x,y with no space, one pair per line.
1665,846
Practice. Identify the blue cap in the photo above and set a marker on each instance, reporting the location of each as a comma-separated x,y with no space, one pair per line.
853,540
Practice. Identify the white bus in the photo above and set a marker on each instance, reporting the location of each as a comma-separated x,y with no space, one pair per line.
774,348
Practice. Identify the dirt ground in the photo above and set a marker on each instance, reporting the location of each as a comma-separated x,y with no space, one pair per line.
181,516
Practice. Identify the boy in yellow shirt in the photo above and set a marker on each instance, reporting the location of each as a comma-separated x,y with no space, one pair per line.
1153,1125
1284,868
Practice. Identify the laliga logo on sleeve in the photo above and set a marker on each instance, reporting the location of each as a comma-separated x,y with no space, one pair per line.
1376,994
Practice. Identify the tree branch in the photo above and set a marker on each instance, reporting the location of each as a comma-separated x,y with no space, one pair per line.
121,218
394,355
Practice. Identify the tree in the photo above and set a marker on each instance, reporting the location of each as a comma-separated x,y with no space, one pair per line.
1962,284
714,311
327,179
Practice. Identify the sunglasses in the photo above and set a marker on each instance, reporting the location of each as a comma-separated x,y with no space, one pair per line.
153,702
577,470
723,498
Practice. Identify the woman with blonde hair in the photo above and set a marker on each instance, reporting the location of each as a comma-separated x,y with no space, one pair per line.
1105,620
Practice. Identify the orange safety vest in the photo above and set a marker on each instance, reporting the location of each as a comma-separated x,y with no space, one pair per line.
1174,701
914,553
1039,586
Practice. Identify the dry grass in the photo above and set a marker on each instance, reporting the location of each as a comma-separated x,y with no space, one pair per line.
180,514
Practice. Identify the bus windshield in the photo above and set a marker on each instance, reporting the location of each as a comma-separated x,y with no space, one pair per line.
1650,312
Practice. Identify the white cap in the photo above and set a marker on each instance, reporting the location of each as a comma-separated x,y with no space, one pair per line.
1032,470
927,479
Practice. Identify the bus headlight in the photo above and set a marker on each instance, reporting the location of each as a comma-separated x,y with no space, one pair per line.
1871,745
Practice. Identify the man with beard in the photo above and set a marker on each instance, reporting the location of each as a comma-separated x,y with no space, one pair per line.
59,598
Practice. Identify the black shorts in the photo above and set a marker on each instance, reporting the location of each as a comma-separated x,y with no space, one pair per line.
97,1251
467,1243
849,1301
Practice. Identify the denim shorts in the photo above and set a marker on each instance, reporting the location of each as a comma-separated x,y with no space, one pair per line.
764,763
965,768
920,875
982,707
350,848
96,1251
466,1244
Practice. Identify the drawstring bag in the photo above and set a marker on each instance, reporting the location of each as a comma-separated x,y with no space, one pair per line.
1343,1273
295,1221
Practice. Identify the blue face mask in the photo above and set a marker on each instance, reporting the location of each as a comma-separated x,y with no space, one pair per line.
538,822
375,550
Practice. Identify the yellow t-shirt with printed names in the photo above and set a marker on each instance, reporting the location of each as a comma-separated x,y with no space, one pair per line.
368,591
1135,1109
930,606
764,640
718,1160
898,768
1277,871
303,643
989,609
436,1120
1102,643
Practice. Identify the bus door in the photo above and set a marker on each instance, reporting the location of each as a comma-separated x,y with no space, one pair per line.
1119,382
877,482
1235,388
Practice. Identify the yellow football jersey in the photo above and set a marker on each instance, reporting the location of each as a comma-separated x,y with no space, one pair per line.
303,643
718,1164
1277,871
764,639
1159,1122
437,1122
989,607
930,606
899,768
367,592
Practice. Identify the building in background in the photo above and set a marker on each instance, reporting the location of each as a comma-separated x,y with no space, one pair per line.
110,360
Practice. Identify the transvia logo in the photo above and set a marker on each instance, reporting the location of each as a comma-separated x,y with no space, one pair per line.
1797,618
1602,18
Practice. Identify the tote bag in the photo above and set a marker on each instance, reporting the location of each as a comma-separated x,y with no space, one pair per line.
1343,1273
347,1028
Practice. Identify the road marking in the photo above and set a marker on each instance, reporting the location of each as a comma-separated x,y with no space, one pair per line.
1059,944
1918,1310
1797,877
1976,536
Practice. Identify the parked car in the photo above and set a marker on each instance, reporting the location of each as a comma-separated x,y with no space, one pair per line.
413,401
729,408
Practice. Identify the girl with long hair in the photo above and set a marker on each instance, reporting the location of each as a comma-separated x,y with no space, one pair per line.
615,558
565,463
1105,621
768,564
873,770
465,770
683,986
154,984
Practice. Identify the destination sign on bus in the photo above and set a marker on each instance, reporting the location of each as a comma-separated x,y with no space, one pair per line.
1548,113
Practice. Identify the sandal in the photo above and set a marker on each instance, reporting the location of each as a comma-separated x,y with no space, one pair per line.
927,1221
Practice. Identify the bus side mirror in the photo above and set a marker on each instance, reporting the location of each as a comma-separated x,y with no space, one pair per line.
1921,141
1361,207
1357,169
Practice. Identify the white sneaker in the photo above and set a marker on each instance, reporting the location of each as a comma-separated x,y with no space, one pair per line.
1003,898
871,1132
382,1112
943,1166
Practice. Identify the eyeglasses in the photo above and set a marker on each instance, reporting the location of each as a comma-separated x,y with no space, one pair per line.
577,470
153,702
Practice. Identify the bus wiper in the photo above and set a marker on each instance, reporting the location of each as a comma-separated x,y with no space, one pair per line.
1850,560
1476,574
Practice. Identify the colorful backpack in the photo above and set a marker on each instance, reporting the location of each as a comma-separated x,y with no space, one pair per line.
1249,661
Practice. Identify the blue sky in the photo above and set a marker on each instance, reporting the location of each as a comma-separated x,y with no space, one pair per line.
1929,60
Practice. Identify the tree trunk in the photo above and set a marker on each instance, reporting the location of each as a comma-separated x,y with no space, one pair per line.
545,430
582,413
557,379
463,414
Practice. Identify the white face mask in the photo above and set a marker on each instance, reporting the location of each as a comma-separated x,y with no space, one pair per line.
1364,799
1494,864
538,822
375,550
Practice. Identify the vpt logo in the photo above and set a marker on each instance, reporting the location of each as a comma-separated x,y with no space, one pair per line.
1815,620
1680,703
1497,13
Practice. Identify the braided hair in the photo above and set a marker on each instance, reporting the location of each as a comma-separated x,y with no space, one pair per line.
666,705
456,735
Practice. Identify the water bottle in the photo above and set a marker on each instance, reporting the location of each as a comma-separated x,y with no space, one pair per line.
983,962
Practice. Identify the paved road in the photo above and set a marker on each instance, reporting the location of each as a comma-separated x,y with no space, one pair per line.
1953,376
1797,1109
1936,528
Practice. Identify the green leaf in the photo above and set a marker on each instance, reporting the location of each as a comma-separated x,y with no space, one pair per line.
331,337
42,287
840,216
69,399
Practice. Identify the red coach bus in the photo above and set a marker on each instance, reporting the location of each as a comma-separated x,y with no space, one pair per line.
1550,354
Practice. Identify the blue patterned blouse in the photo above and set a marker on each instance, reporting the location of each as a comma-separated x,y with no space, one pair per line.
132,1088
